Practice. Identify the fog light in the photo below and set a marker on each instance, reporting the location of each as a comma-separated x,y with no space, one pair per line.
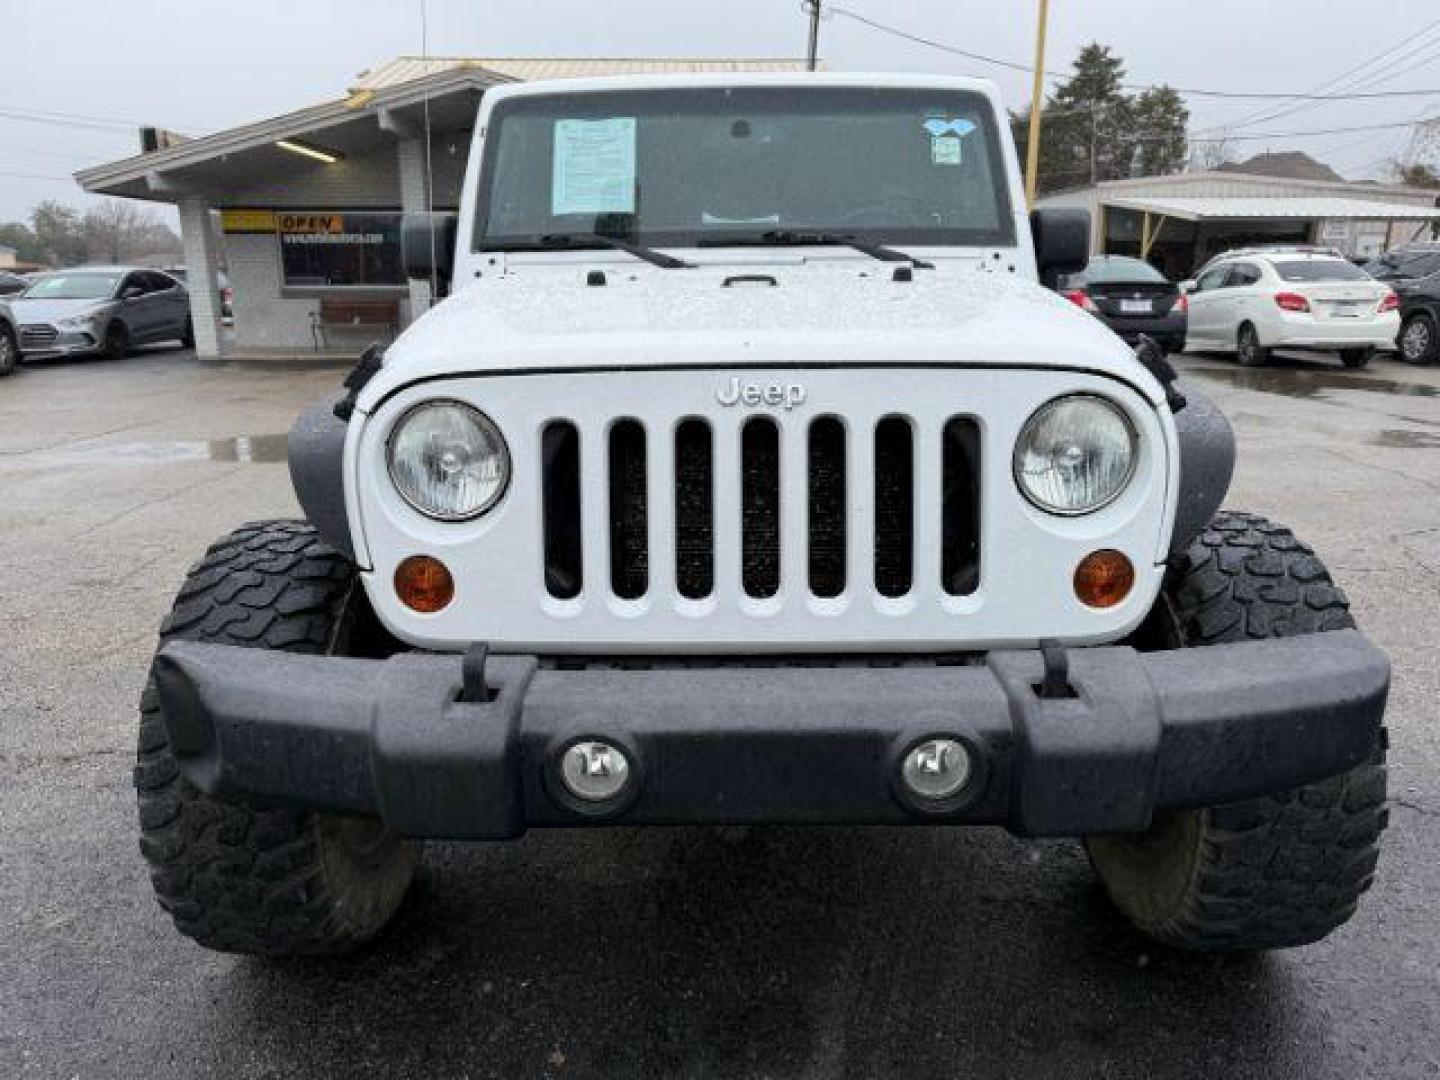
936,768
595,771
1104,578
424,584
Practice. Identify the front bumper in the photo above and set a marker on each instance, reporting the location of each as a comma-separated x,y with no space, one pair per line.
62,343
1142,733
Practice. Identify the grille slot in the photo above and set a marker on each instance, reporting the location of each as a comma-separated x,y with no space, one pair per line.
894,506
827,506
760,508
694,510
37,336
960,507
560,451
629,539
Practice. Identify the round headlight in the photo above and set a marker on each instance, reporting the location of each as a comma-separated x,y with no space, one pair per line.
448,460
1075,455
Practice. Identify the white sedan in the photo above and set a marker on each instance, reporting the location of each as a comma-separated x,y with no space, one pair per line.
1249,302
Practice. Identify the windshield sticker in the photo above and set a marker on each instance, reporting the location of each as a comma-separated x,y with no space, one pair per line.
594,170
945,136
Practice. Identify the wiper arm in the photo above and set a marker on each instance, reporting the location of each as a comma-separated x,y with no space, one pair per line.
640,251
797,238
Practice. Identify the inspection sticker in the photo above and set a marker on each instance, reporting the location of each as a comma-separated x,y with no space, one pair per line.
945,136
594,171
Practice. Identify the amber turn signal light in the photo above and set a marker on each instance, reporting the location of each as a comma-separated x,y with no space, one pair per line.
1104,578
424,584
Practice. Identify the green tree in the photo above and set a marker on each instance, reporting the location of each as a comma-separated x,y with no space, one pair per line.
1159,117
1092,130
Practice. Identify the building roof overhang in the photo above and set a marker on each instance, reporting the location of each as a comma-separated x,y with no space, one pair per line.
1254,208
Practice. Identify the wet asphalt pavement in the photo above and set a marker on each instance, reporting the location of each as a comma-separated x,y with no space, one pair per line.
779,952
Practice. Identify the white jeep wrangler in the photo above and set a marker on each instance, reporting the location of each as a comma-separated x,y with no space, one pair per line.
748,475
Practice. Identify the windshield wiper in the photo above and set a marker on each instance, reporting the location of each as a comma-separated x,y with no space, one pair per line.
582,241
802,238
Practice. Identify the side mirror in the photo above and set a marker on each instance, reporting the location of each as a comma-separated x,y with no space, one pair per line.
130,292
1062,243
427,246
1187,286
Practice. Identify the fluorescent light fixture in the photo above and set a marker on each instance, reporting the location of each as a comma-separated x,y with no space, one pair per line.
329,157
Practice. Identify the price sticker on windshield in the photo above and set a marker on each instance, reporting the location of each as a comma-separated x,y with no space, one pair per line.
594,170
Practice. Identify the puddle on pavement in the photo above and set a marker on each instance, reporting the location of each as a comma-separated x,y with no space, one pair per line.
243,449
1308,383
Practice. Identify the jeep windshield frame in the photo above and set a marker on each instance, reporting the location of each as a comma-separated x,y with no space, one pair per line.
691,166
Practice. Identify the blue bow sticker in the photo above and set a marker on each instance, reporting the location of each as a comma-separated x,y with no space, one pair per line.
937,127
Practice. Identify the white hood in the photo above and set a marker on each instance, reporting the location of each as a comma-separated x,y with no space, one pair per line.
537,318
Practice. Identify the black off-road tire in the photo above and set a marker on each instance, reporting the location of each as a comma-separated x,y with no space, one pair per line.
9,351
1248,349
1274,871
253,879
1356,358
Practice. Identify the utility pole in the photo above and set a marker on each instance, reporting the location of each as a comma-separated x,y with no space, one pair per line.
813,6
1037,103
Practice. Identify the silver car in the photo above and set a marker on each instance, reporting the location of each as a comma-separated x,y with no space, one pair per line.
101,310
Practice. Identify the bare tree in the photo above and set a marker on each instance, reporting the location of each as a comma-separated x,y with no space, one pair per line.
118,231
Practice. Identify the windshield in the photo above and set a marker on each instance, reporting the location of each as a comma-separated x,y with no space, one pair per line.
1320,270
73,287
1415,265
1107,271
699,165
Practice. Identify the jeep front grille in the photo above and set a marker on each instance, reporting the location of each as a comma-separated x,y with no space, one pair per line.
751,483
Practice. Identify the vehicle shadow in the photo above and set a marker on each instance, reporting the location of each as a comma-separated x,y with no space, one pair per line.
786,952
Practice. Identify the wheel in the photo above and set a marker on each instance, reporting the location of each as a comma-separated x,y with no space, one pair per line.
117,341
1248,349
1356,358
1264,873
9,351
1419,341
187,334
247,878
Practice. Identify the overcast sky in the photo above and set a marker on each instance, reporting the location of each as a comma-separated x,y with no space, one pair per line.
201,65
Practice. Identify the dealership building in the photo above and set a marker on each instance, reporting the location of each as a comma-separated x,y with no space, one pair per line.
302,211
1178,222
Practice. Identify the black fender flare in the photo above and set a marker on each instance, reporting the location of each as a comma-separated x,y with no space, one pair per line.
317,471
1207,464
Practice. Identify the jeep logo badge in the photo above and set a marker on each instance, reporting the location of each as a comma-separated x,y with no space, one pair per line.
753,394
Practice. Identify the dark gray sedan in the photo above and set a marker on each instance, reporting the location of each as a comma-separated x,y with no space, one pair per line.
100,310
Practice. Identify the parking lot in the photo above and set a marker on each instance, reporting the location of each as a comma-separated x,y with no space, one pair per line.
773,952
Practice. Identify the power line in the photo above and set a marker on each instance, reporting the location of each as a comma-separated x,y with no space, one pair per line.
1193,91
1346,80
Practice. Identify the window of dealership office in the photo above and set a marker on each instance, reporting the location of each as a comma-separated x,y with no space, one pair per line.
324,250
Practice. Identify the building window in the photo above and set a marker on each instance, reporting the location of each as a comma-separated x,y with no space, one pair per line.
345,250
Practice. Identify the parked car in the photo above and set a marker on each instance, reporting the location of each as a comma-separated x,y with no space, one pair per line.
1132,298
1409,263
227,291
564,535
9,340
10,284
101,310
1257,299
1419,339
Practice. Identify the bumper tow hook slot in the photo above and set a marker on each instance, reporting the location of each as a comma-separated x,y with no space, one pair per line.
472,674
